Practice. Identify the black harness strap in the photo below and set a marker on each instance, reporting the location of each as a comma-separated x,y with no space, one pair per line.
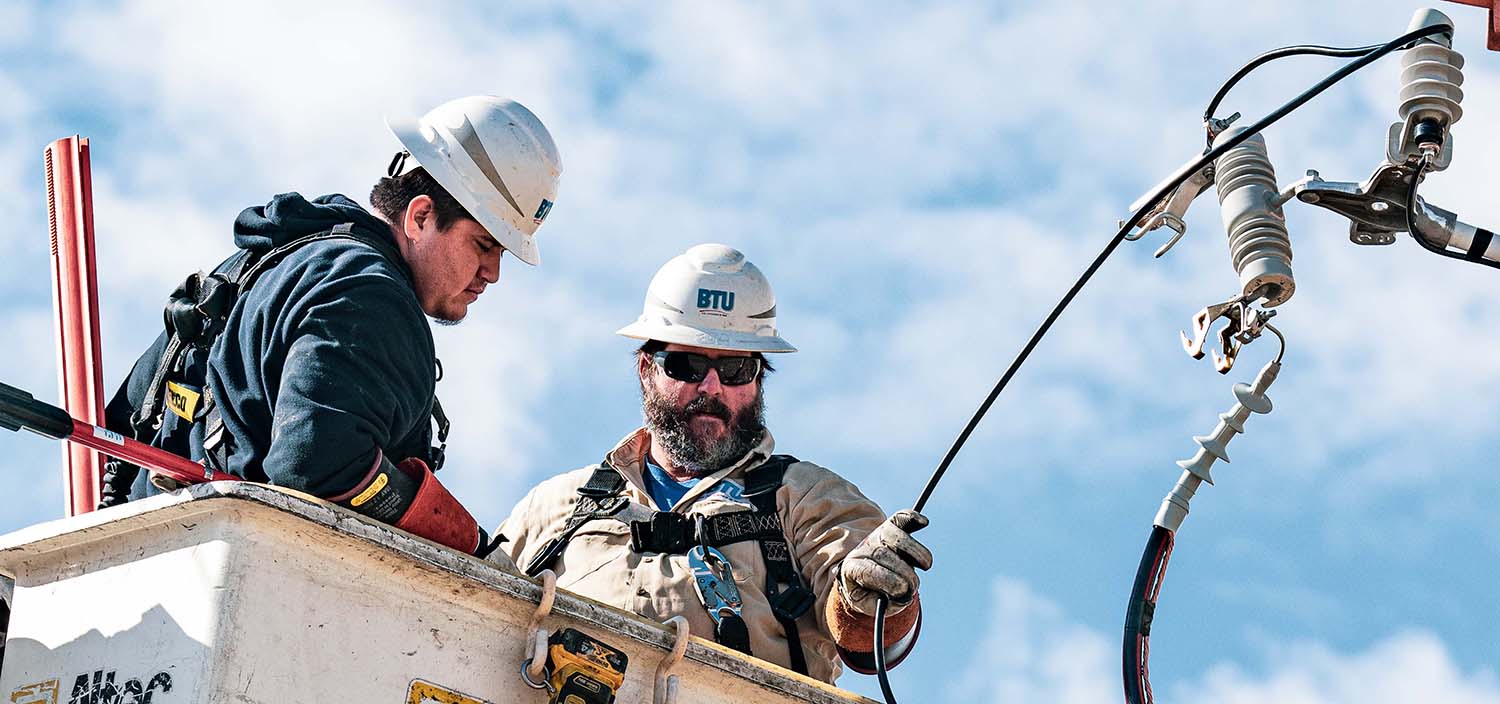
599,497
789,604
674,533
188,322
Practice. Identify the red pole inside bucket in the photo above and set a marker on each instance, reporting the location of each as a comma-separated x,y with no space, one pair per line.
75,296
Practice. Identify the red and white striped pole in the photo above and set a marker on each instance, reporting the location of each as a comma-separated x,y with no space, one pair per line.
75,298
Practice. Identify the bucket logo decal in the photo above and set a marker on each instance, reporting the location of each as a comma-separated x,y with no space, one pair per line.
100,688
715,302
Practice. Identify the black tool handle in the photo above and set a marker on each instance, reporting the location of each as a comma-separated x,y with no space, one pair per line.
19,410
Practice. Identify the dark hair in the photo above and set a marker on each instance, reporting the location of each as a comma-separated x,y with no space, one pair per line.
651,347
390,196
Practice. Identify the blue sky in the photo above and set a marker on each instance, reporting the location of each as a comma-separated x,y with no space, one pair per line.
920,183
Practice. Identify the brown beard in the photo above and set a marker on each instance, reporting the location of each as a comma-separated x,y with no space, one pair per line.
672,429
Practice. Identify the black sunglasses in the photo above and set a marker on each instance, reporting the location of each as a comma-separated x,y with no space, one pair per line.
692,367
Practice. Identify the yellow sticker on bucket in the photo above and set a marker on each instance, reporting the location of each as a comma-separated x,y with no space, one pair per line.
428,693
39,693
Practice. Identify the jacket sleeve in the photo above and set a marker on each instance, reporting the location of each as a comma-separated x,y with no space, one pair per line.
357,376
827,517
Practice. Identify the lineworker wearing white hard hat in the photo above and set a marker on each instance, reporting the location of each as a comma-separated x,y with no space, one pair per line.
699,491
305,360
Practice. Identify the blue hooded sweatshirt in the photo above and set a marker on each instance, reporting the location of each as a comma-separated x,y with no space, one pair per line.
327,358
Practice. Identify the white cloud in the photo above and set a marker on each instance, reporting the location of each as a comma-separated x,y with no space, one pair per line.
1411,666
281,93
1033,651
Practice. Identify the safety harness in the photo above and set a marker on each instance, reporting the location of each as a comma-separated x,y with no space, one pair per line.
672,533
195,316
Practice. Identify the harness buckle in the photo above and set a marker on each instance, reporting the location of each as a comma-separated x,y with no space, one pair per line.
666,532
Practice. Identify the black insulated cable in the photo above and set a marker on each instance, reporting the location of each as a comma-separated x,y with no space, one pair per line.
1129,224
882,672
1136,649
1282,53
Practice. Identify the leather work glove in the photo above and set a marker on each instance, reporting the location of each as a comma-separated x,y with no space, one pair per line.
883,564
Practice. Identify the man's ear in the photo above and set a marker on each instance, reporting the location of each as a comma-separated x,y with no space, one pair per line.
419,213
643,366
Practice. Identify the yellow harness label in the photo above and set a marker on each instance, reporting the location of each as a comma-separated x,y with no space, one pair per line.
370,491
428,693
182,400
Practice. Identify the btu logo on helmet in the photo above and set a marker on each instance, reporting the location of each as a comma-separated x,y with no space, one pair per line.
541,211
715,302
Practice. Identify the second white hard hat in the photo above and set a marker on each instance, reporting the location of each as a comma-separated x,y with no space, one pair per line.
495,158
710,296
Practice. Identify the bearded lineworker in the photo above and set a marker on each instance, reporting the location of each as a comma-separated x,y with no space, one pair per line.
305,361
698,490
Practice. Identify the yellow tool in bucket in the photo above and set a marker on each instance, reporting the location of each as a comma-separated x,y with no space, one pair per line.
581,670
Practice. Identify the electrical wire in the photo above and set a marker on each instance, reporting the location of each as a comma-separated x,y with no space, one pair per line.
1411,220
1143,595
1282,351
882,672
1282,53
1177,179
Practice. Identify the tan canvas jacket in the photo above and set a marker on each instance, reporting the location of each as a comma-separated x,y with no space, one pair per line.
824,517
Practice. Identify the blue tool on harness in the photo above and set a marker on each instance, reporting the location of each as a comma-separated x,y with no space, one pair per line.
714,580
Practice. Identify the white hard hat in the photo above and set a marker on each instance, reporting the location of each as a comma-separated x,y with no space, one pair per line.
495,158
710,296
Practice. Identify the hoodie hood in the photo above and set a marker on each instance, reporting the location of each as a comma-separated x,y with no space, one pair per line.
289,216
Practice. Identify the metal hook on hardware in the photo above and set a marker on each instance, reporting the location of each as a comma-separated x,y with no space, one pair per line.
1202,321
1246,323
1169,210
